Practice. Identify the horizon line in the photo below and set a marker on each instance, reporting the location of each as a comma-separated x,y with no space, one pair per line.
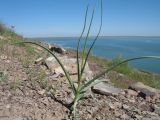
90,36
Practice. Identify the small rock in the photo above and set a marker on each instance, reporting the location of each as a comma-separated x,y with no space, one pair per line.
57,49
137,111
148,99
126,107
51,63
106,89
131,100
156,109
144,90
143,106
57,75
7,61
131,92
125,117
1,37
58,71
68,100
117,114
113,98
70,66
115,106
45,101
121,75
20,118
139,117
122,92
151,118
41,92
3,57
118,104
151,114
8,106
39,61
112,106
88,75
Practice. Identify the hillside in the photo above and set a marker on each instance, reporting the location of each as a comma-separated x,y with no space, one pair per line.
33,86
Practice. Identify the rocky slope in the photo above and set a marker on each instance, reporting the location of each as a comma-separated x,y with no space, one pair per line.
40,91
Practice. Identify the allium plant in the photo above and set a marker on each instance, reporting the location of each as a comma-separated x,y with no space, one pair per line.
83,87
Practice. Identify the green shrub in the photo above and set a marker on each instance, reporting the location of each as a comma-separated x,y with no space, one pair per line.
6,31
3,29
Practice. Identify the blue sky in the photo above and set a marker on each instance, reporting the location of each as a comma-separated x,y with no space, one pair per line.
45,18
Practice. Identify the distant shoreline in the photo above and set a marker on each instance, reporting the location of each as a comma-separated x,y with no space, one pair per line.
94,36
112,47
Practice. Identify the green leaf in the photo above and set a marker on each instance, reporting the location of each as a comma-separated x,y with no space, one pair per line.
78,66
83,67
87,86
84,46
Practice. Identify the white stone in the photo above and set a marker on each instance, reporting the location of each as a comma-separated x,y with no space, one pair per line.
106,89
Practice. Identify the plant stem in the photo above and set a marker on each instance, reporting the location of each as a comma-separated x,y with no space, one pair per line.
74,108
78,66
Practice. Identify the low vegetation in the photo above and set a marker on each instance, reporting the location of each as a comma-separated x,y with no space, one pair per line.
127,74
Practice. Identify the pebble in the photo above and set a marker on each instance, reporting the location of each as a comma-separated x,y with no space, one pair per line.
126,107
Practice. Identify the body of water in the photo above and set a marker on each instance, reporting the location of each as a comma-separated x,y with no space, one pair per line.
128,47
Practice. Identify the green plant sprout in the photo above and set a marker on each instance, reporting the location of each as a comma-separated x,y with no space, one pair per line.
83,87
3,76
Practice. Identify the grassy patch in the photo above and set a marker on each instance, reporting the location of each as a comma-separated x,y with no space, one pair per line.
14,85
38,76
134,75
3,76
124,68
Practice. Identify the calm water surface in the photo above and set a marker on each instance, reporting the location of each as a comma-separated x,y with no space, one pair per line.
128,47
